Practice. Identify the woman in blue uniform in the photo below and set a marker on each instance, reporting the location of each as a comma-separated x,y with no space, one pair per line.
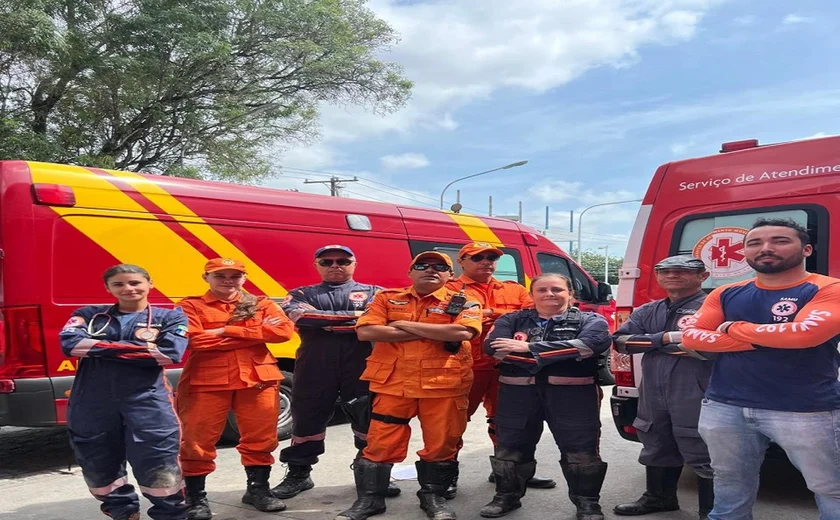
120,406
549,359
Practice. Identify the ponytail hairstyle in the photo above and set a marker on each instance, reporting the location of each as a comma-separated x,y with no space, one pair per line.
245,309
125,269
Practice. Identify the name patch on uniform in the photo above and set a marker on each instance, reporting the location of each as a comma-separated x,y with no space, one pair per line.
435,310
686,311
397,302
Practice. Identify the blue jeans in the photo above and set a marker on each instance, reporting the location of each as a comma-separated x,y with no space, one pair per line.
738,438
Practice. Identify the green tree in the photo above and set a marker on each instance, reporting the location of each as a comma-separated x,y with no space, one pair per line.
593,263
195,88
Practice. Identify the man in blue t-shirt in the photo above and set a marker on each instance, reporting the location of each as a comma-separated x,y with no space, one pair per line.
776,378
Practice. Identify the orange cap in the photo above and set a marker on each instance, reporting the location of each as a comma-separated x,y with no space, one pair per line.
433,254
219,264
475,248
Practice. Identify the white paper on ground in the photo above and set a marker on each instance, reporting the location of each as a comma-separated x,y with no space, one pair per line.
404,472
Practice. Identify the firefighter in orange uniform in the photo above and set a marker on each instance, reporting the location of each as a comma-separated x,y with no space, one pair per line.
230,367
420,366
478,261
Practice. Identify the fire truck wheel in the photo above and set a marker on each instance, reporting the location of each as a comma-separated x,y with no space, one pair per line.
284,420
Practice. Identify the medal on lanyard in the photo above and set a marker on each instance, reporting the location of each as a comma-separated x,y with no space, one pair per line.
147,333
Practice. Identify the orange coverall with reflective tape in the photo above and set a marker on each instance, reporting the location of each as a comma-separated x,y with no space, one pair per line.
501,298
232,371
418,377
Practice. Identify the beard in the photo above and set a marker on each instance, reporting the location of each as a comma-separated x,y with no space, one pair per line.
782,265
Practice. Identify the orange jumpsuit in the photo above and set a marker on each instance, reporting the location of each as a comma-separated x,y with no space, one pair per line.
417,378
232,371
501,298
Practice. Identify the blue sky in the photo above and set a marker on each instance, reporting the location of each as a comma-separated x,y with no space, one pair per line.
595,94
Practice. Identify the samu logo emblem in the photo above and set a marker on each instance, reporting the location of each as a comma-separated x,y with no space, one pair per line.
784,308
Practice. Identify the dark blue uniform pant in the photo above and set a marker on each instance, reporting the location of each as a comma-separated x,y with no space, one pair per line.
324,372
142,429
571,412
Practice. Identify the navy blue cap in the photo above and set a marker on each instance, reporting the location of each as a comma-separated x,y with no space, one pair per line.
681,262
334,247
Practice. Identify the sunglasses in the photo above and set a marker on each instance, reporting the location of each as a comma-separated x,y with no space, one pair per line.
492,257
441,268
343,262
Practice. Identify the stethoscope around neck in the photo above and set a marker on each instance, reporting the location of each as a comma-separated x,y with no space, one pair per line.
146,333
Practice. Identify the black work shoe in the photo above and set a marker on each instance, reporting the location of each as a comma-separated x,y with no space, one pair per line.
660,496
372,481
198,508
297,481
258,493
510,478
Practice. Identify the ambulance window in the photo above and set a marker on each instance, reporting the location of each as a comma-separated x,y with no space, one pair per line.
553,264
719,241
506,269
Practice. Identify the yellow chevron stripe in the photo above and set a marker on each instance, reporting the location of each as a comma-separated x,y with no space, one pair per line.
201,230
478,231
128,232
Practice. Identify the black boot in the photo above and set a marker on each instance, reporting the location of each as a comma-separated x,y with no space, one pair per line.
196,498
393,489
258,493
297,480
585,480
705,496
372,480
660,496
510,478
434,478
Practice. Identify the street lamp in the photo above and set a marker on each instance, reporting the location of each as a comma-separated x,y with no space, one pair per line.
580,219
509,166
606,263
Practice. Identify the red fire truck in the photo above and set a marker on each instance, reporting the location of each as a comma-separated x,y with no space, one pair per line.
62,226
704,207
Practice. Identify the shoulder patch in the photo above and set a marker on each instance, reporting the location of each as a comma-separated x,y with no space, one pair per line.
74,321
181,330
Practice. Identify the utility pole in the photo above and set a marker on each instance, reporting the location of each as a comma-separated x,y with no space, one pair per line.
334,182
490,202
520,212
571,229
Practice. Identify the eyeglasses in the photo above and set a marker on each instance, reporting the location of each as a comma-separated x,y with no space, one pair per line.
326,262
492,257
441,268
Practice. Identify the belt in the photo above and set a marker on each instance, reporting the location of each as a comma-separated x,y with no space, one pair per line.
552,380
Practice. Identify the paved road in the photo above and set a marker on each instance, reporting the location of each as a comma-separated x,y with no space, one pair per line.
35,482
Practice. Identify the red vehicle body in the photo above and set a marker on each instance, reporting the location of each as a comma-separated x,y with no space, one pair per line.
704,207
62,226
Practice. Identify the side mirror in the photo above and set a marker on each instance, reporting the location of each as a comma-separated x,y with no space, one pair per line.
604,292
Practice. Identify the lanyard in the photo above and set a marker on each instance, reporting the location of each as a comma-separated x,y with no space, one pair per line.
146,333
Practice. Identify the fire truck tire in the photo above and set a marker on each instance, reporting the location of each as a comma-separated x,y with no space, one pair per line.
605,376
284,420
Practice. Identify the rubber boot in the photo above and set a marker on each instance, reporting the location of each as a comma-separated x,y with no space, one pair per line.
198,508
434,478
510,478
660,496
372,479
452,490
297,481
258,493
393,489
585,481
705,496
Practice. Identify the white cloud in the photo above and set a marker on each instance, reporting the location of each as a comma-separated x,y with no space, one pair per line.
457,54
679,149
792,19
405,161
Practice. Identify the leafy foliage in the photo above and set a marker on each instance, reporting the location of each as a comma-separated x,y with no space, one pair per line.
194,88
593,263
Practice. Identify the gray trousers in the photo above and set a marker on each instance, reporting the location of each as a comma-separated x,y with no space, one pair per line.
669,409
